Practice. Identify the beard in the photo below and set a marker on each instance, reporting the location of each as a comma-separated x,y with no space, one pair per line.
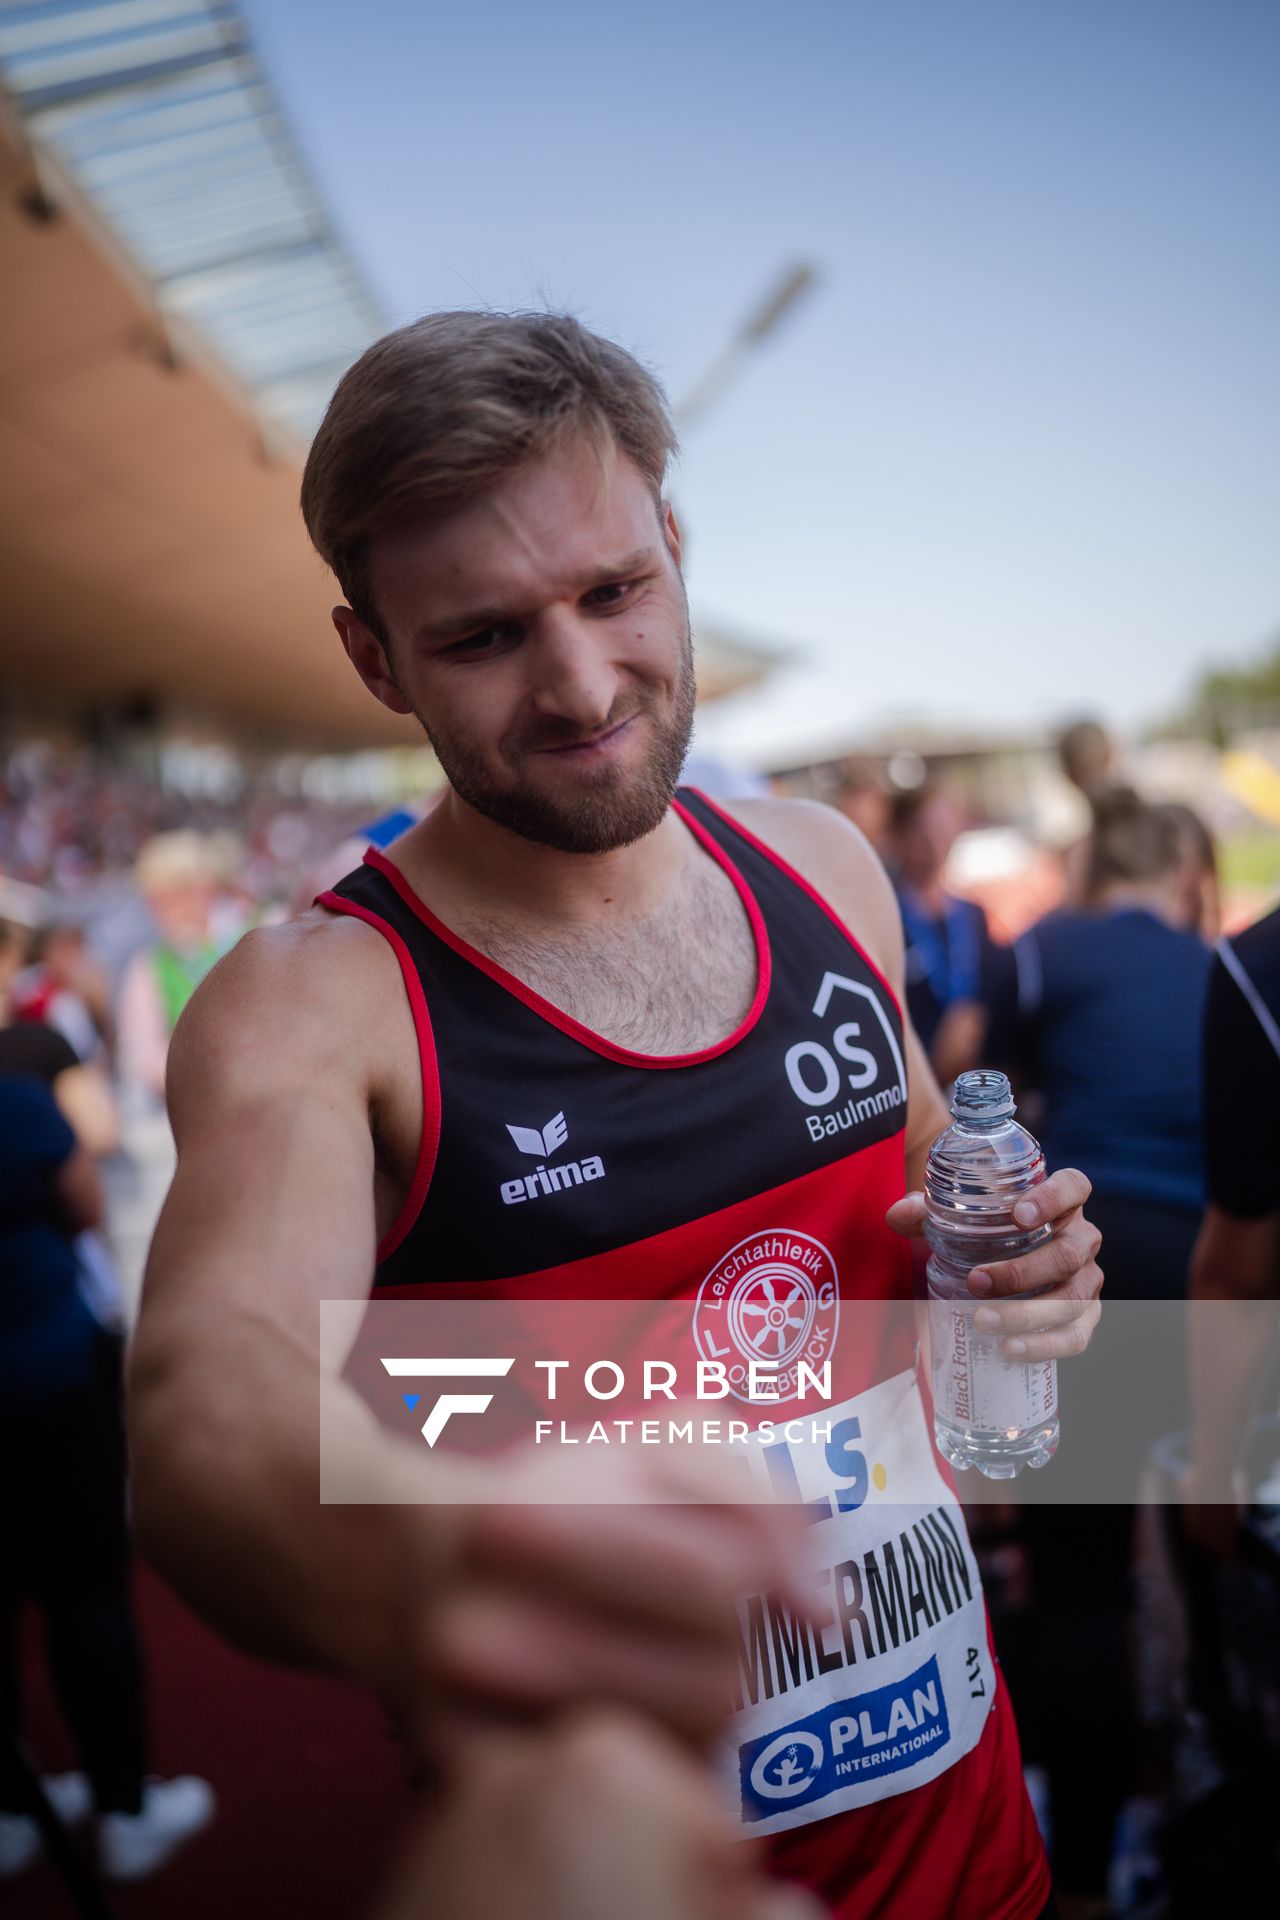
614,809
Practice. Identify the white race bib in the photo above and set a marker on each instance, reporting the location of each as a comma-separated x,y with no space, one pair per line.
892,1683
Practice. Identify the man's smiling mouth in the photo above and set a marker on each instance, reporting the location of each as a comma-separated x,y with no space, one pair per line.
597,743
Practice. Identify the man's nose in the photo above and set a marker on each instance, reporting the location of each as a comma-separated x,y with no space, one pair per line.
575,678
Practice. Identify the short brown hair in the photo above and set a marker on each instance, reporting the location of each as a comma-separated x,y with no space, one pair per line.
436,412
1131,841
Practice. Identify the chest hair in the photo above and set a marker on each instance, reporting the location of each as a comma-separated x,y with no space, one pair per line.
670,983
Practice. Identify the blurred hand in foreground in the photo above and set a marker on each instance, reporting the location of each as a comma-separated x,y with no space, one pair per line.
535,1586
598,1818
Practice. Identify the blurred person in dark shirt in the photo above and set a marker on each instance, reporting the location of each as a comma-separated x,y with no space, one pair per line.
1109,1005
1236,1266
62,1501
1110,1000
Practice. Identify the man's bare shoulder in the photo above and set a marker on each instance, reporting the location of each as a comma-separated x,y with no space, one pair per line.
813,838
838,861
288,1002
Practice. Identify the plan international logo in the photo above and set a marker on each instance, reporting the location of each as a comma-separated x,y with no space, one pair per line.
885,1730
542,1143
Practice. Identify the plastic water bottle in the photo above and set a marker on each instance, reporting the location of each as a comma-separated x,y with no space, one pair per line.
990,1412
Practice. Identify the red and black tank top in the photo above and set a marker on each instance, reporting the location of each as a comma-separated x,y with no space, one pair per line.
558,1166
550,1153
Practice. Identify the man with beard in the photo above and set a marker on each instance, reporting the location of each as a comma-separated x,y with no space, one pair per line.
568,961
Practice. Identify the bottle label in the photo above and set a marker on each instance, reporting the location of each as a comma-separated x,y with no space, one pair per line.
975,1385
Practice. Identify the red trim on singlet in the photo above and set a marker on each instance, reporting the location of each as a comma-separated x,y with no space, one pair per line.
430,1143
785,866
566,1022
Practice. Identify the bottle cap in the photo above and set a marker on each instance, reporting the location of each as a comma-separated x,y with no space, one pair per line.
983,1095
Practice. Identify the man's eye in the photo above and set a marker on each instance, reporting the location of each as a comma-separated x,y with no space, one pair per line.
611,592
488,641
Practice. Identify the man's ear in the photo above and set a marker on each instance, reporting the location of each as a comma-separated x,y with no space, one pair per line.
369,658
671,531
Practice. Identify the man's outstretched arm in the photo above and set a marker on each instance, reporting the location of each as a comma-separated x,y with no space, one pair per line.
451,1613
271,1210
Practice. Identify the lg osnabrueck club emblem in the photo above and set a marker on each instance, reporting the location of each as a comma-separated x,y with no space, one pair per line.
772,1302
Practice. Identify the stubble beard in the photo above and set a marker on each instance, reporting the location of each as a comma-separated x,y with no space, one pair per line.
614,810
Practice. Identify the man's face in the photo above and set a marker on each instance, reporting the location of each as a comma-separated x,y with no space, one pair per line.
540,633
181,911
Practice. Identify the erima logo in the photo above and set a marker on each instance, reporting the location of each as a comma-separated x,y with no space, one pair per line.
543,1143
463,1368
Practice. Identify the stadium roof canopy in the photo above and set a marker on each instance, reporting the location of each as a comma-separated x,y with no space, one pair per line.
177,311
159,112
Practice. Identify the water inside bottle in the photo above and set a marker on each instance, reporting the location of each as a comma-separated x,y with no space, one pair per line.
990,1412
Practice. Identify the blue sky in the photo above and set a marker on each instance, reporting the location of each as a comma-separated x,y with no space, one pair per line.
1018,455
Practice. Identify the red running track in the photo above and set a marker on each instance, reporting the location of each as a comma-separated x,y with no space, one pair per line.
311,1795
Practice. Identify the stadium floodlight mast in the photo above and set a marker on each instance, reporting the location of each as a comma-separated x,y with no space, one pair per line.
791,287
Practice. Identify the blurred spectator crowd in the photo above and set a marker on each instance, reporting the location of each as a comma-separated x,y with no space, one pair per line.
72,825
118,893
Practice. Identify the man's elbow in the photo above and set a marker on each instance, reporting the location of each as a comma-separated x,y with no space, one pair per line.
1236,1259
150,1457
169,1441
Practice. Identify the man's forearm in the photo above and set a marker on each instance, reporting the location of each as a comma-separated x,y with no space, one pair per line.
1231,1327
1229,1353
226,1471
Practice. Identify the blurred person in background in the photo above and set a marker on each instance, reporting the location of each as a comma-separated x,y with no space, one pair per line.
177,875
1237,1253
82,1090
66,1543
1228,1559
861,796
1198,882
179,879
953,964
1110,1003
63,987
30,1043
1087,756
